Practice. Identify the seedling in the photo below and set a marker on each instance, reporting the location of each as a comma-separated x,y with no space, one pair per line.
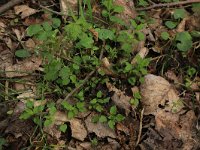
112,118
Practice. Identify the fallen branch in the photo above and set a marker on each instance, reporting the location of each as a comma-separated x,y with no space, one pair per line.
9,5
168,4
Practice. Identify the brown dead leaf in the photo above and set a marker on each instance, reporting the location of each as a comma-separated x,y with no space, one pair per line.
181,26
78,130
100,129
119,98
24,10
129,10
172,126
53,131
157,93
2,28
106,67
6,58
67,5
142,53
22,68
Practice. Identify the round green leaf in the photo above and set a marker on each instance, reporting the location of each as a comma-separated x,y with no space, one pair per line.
34,29
22,53
165,35
56,22
171,24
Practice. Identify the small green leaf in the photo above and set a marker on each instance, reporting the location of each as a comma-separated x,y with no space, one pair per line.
99,94
47,122
165,35
75,66
132,80
47,26
56,22
63,127
171,24
22,53
120,117
142,3
34,29
140,36
102,119
184,41
99,108
118,9
111,124
113,110
95,119
134,102
179,13
104,34
70,114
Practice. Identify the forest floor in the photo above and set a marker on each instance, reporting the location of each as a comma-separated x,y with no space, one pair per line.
100,74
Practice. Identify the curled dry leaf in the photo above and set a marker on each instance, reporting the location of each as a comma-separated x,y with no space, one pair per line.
181,26
119,98
19,34
157,93
22,68
142,53
106,67
24,10
78,130
100,129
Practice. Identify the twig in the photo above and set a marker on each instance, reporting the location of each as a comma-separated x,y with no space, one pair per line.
63,14
8,5
78,87
169,4
84,81
140,129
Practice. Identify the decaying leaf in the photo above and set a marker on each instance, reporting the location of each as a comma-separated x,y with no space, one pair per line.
172,126
106,67
119,98
100,129
24,10
67,6
78,130
142,53
22,68
157,93
129,11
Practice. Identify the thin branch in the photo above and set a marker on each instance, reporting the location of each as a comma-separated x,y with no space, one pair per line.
140,129
168,4
78,87
9,5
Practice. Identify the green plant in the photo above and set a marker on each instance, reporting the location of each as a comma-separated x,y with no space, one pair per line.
183,41
110,10
177,16
136,99
72,110
2,142
63,127
112,118
98,102
94,141
165,35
